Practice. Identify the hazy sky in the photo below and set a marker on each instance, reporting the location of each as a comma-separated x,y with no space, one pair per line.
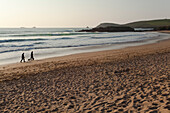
79,13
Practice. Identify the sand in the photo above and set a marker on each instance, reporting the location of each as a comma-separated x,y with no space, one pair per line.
134,79
165,31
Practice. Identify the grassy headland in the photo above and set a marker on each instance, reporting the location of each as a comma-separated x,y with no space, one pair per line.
161,24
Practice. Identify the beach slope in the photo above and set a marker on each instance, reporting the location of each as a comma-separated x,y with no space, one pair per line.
134,79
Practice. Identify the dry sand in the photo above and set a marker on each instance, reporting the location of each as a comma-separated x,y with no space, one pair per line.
135,79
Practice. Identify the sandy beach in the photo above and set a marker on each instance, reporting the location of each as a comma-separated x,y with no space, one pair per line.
134,79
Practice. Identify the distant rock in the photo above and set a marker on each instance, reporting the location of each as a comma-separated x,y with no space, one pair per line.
105,25
109,27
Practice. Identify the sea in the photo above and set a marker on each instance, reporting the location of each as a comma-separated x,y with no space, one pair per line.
55,42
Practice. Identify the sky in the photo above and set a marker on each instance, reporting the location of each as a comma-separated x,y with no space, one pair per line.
79,13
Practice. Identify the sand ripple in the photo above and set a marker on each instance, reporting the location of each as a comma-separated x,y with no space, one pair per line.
134,84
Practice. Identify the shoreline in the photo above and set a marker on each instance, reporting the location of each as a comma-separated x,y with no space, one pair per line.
133,79
7,71
11,58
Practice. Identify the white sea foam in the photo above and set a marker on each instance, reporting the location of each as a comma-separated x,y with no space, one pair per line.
51,42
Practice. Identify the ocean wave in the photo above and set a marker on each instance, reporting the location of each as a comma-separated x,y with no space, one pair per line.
34,48
26,45
36,39
30,47
44,34
64,38
21,40
37,43
117,36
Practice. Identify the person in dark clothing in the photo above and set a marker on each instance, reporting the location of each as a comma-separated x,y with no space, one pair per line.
32,55
22,58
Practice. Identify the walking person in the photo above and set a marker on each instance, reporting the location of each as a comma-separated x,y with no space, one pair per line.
32,55
22,58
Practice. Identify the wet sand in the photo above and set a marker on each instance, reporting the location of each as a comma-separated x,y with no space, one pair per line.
165,31
134,79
